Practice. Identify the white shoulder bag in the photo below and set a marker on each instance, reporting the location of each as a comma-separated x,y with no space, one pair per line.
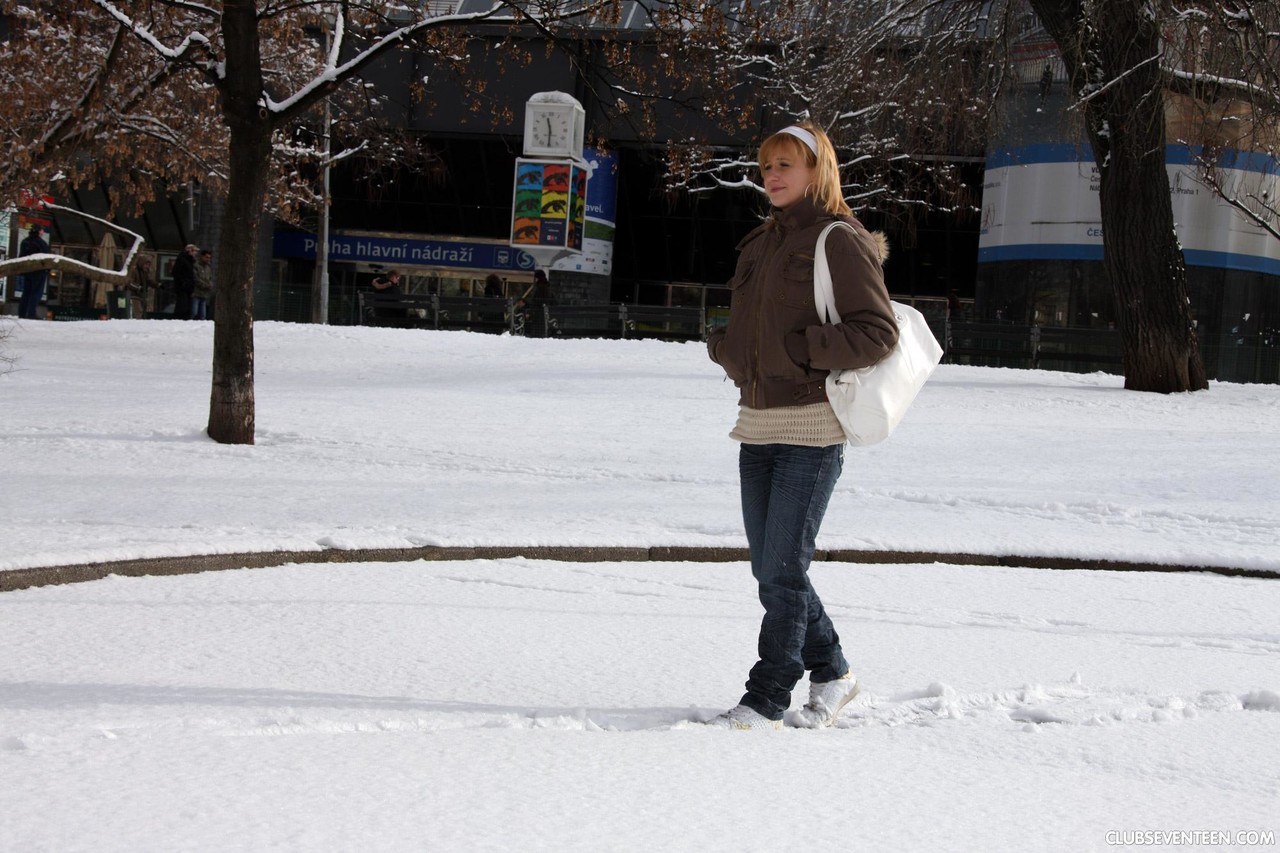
870,401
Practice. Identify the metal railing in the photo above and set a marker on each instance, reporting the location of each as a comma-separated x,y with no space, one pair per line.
488,314
1227,358
1049,347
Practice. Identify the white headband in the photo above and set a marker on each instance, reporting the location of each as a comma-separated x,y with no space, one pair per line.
804,136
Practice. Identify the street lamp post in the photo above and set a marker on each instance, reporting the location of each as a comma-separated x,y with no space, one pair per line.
320,288
320,293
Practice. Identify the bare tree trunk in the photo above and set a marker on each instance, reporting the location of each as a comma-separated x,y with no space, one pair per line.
231,402
1112,49
1148,277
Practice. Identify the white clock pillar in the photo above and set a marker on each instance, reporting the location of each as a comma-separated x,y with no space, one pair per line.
548,205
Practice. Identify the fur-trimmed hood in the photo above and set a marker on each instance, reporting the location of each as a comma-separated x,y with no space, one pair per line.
881,241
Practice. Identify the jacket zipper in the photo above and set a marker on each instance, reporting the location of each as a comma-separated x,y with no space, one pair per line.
755,343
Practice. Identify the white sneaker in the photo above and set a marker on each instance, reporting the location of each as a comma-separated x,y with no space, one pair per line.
825,701
742,717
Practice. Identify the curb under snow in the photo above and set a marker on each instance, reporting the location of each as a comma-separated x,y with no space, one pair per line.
43,576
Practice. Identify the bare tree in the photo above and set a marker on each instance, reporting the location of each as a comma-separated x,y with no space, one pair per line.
86,101
906,92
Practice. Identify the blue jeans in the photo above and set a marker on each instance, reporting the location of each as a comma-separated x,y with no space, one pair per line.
199,308
785,490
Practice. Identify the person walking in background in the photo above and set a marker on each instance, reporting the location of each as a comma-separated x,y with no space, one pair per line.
541,287
32,282
388,285
140,288
1046,83
493,290
531,305
184,282
778,354
203,287
537,293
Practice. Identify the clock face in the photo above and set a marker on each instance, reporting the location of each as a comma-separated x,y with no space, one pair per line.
550,129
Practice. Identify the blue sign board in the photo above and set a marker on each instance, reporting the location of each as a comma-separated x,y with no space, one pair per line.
404,251
602,189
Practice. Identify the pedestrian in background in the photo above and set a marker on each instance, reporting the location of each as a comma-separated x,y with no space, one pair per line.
533,304
184,281
33,282
203,287
537,293
388,285
493,290
141,286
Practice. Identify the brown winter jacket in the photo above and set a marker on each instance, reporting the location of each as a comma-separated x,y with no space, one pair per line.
774,348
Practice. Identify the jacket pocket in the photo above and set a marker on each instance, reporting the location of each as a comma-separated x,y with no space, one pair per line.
795,287
741,275
732,354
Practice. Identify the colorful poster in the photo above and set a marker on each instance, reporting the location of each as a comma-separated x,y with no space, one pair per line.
548,207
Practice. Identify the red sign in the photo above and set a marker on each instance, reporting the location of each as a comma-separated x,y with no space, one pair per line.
31,210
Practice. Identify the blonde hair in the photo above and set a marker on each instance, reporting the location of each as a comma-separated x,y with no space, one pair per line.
825,189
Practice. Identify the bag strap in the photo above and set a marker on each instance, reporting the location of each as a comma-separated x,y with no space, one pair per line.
824,297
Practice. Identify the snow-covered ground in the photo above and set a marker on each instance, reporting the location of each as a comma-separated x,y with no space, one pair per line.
395,438
527,705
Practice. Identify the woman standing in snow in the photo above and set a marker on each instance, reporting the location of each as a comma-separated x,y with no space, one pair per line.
778,353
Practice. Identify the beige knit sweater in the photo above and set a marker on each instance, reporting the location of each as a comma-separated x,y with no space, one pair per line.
814,425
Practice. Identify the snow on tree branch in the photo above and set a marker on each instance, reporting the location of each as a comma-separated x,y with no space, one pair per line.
54,261
189,43
333,72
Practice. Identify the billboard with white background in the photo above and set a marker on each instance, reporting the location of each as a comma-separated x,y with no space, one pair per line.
1040,202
